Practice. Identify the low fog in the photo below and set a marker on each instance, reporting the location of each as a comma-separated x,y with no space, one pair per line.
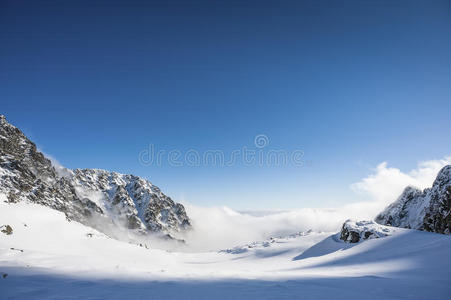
221,227
216,228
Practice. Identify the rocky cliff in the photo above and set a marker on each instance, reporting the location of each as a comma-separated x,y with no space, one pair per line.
96,198
428,210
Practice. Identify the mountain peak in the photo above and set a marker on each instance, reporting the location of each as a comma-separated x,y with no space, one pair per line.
4,122
443,176
428,210
96,198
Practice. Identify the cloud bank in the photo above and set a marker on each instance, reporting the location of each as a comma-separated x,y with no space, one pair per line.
216,228
387,183
221,227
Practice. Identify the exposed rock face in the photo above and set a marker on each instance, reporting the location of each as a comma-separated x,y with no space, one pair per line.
6,229
354,232
428,210
26,174
141,204
87,196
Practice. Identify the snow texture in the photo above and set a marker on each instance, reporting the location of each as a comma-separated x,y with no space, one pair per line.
48,257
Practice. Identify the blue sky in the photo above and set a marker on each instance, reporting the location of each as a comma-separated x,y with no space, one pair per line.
350,83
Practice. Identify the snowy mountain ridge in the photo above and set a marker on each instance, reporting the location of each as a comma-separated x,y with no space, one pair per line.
145,206
428,210
97,198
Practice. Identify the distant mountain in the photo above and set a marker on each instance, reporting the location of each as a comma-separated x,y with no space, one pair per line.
96,198
428,210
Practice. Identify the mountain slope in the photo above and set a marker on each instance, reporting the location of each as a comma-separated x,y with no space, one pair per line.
96,198
143,203
48,257
428,210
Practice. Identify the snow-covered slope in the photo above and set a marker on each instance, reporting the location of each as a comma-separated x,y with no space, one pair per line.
101,199
271,242
428,210
47,256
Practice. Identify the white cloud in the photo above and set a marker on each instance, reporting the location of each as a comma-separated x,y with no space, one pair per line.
387,183
217,228
221,227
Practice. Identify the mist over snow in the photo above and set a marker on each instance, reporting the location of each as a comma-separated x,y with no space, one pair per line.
59,168
222,227
216,228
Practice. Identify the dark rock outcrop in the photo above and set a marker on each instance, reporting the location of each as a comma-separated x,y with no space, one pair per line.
354,232
6,229
27,174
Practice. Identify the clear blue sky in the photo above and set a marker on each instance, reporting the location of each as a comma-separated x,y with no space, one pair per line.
351,83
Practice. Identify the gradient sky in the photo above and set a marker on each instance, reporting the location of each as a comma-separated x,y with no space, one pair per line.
351,83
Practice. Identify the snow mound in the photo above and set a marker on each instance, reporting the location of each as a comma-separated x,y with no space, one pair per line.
265,244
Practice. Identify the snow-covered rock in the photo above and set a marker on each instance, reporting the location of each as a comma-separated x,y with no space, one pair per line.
141,203
267,243
354,232
96,198
428,210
